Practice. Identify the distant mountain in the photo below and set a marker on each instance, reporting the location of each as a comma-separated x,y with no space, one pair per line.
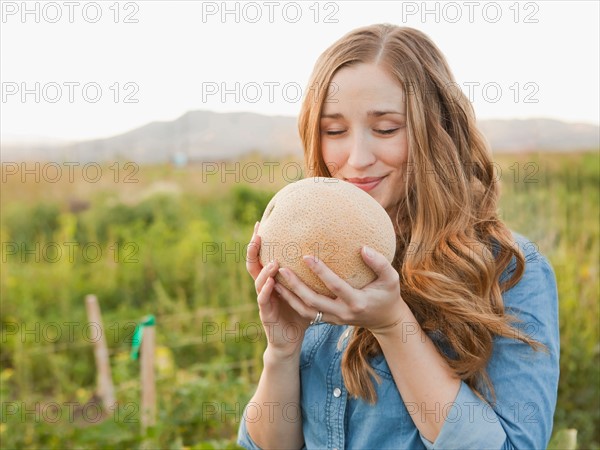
539,134
200,135
209,136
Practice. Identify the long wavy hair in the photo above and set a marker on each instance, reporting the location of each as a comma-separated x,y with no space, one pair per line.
451,245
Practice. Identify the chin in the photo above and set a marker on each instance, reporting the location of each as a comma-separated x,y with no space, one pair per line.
383,204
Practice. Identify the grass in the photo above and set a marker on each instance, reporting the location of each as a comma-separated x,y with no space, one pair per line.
172,243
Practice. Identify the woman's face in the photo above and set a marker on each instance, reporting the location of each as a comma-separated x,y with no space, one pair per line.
363,132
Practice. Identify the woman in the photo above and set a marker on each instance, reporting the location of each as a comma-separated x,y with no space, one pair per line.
455,345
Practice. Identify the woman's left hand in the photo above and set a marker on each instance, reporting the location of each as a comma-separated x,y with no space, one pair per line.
377,306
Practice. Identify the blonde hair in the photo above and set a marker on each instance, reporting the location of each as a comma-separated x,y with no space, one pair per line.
451,245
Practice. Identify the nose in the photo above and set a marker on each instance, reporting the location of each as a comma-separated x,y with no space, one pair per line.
361,153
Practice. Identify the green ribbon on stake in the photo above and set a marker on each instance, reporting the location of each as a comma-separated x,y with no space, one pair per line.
136,340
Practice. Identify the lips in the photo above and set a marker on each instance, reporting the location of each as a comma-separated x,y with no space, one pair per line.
367,183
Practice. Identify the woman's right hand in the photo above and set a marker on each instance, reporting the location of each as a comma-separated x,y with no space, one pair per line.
283,326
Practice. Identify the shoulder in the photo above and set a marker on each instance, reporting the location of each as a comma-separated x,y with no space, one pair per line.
537,266
534,299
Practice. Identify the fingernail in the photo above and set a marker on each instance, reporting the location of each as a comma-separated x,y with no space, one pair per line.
310,260
256,227
284,273
369,252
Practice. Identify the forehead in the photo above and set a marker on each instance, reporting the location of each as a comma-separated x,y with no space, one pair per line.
363,86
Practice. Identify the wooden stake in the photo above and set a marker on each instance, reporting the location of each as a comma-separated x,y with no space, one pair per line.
148,407
105,388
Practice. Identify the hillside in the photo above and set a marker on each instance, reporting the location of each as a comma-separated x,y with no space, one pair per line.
206,136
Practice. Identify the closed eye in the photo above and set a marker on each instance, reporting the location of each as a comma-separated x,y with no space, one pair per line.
389,131
335,133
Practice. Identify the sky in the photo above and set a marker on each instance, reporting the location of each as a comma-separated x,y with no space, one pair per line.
82,70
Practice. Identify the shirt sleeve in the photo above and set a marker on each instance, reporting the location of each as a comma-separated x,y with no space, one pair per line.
525,381
243,438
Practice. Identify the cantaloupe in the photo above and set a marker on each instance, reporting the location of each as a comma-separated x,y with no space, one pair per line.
331,219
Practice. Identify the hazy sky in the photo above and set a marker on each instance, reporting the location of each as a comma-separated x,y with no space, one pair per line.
93,60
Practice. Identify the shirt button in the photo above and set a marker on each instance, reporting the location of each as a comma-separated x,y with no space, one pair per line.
337,392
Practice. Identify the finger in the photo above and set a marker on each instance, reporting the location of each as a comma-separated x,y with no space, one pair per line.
380,265
303,310
264,304
253,265
334,283
333,307
268,271
297,305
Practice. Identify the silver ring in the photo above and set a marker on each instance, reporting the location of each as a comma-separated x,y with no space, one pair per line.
317,319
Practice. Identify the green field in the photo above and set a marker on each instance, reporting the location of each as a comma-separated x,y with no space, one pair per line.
171,242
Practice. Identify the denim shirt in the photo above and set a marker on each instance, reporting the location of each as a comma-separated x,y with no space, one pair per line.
525,383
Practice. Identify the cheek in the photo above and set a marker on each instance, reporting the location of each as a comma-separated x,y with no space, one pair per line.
334,157
395,153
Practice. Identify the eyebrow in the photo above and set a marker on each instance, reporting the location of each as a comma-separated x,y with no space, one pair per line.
371,113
